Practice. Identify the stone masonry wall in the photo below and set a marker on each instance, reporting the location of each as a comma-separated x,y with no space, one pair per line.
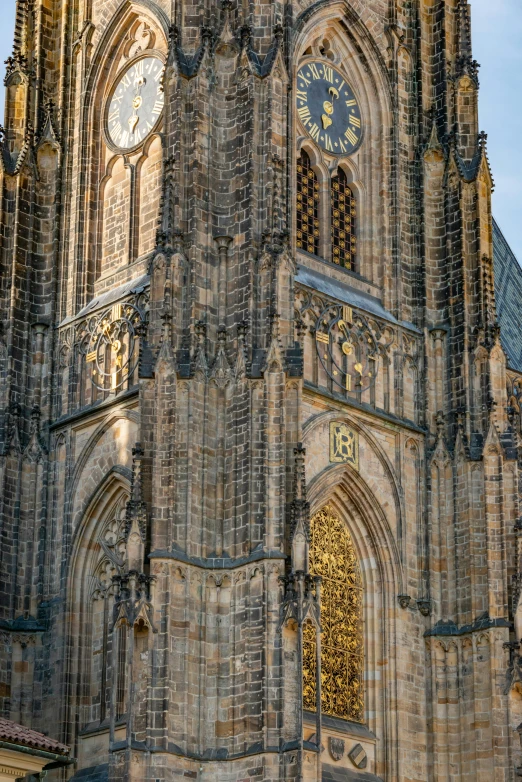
156,492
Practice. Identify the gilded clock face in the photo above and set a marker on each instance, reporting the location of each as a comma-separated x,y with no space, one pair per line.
112,349
328,108
347,348
136,103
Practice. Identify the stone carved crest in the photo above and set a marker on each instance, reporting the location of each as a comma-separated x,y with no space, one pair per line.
336,747
358,756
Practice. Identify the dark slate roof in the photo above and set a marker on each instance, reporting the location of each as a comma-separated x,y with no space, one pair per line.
132,286
508,289
345,293
13,733
98,773
342,292
337,774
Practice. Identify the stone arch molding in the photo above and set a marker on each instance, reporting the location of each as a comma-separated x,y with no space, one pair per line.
98,551
372,521
355,48
109,449
124,232
112,45
357,54
124,15
348,494
111,493
376,479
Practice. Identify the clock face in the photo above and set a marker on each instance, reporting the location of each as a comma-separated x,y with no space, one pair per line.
112,348
136,103
328,108
347,348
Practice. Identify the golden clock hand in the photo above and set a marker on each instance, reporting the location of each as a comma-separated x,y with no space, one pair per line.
136,103
133,121
346,347
328,108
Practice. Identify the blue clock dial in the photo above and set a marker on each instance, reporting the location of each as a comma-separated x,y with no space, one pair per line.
328,108
136,103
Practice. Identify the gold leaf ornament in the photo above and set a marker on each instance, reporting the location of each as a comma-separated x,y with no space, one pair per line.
333,556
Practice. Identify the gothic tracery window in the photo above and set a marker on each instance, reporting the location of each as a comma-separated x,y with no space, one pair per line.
307,206
111,546
343,221
333,557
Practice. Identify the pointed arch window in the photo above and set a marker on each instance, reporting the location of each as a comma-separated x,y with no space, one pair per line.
333,557
96,613
343,221
307,206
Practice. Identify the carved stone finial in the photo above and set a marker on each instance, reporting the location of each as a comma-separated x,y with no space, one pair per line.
16,62
242,359
135,505
136,480
300,327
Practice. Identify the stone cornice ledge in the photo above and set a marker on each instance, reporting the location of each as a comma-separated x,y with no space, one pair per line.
217,563
481,623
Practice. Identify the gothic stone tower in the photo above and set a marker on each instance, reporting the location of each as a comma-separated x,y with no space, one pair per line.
260,462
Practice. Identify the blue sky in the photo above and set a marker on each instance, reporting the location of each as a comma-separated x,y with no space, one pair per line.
497,32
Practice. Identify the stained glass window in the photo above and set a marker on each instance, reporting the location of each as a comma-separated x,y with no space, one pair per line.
332,556
343,222
307,206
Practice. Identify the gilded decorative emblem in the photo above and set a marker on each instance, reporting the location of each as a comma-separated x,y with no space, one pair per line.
333,557
112,351
336,747
344,445
347,348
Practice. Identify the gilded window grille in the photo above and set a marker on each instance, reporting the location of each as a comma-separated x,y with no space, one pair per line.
307,206
333,557
343,222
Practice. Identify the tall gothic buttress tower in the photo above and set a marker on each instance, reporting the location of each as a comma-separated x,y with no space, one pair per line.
260,460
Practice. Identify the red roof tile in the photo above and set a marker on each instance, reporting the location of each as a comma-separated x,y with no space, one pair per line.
13,733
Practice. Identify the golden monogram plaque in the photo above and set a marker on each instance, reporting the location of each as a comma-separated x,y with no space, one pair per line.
344,445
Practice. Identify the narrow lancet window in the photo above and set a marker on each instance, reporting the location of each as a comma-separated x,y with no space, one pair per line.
307,206
333,557
121,680
343,222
